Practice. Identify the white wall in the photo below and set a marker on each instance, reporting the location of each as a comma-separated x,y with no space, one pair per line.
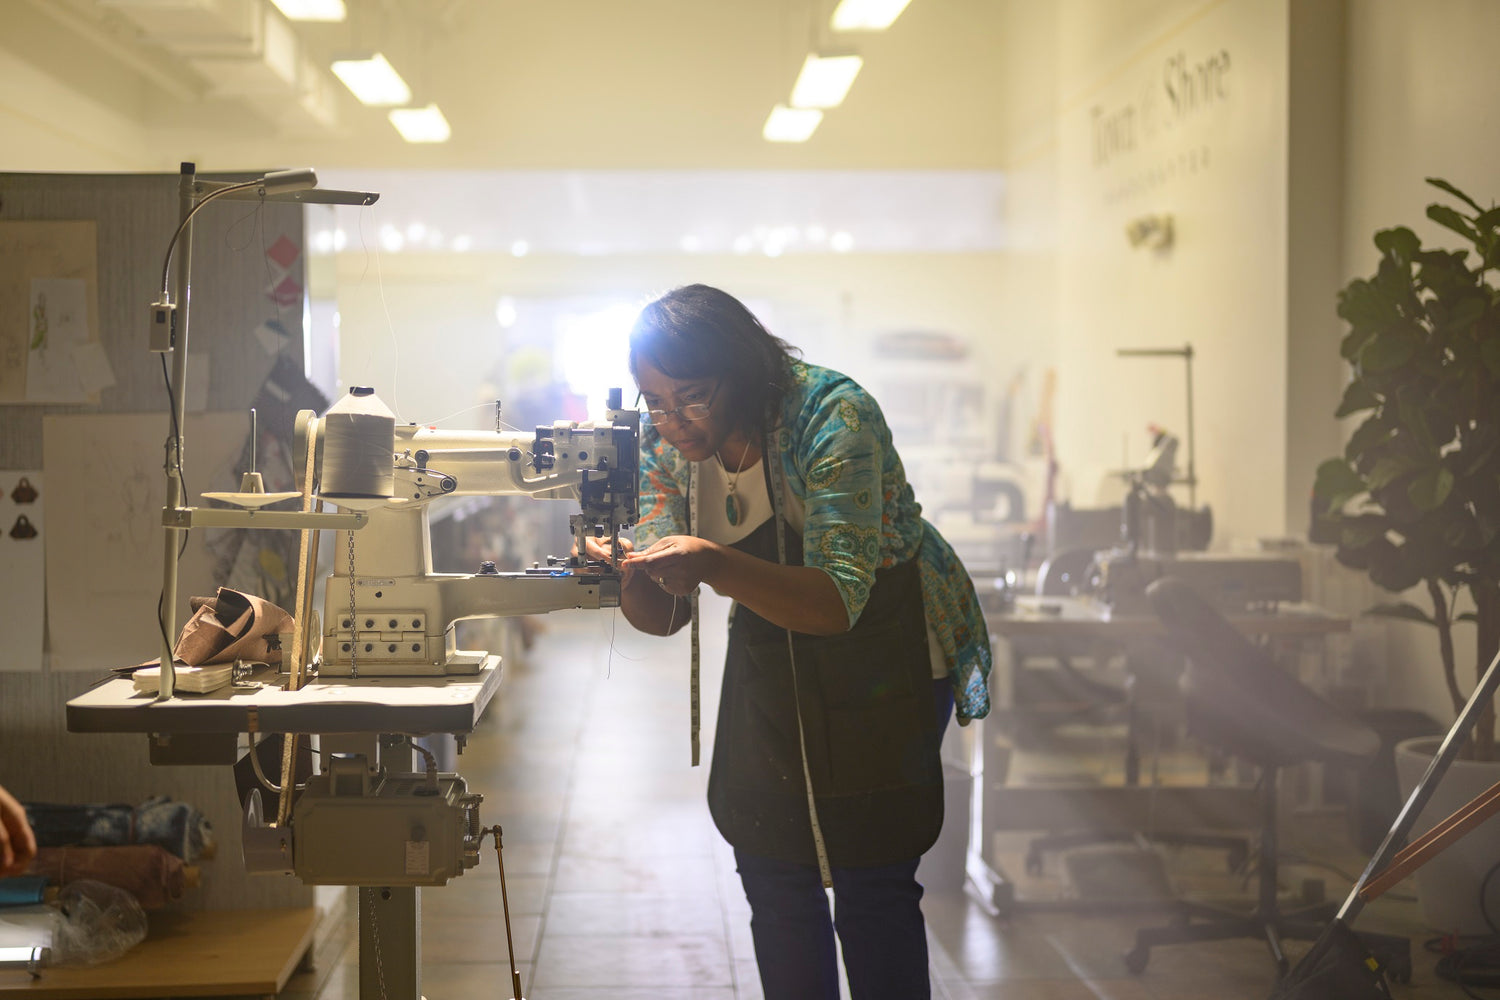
1183,112
1422,88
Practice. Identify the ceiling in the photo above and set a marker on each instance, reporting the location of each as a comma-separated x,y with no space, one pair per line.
527,85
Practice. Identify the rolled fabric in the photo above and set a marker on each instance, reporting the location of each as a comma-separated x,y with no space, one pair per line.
146,871
177,826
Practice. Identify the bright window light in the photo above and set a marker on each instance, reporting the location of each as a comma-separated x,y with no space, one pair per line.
825,80
867,15
421,124
505,312
312,10
791,124
593,350
373,80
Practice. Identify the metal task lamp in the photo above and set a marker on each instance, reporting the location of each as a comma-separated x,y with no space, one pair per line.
169,335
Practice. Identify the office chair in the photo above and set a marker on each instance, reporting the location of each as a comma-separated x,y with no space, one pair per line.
1067,574
1238,700
1068,693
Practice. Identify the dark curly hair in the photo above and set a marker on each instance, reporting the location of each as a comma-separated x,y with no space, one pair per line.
698,331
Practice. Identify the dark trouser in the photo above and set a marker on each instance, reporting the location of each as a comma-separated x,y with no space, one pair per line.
877,916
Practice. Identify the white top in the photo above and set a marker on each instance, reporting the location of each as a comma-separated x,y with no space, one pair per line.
755,510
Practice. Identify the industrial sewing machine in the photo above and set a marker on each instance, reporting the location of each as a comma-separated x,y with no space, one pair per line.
389,615
386,613
386,670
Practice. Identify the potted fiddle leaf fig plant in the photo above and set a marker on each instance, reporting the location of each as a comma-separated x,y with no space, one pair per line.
1414,500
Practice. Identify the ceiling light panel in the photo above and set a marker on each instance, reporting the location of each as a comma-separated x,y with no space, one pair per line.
313,10
421,124
791,124
825,80
867,15
373,80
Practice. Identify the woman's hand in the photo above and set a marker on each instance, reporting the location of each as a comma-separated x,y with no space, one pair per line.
801,598
597,550
677,563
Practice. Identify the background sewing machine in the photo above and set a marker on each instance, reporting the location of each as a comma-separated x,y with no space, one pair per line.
1158,538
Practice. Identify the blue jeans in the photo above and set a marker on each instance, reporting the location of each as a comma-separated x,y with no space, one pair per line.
877,916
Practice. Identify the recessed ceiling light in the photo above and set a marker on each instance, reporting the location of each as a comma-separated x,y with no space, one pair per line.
791,124
373,80
867,15
312,10
825,80
421,124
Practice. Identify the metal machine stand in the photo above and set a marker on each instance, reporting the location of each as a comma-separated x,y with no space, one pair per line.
390,942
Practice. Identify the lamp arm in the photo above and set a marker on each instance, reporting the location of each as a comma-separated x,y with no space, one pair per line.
166,264
272,183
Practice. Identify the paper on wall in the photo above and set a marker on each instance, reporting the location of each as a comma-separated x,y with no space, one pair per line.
92,364
56,325
105,541
22,554
195,395
45,251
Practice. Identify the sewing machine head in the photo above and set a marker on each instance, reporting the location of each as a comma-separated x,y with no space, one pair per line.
385,611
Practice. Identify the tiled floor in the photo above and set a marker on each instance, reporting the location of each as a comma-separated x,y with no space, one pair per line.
620,887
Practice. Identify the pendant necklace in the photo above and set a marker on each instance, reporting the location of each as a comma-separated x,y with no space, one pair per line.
734,508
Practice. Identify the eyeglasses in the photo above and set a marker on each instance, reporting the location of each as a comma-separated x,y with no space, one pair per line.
687,411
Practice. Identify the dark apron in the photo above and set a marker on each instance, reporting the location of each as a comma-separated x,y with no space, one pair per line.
872,740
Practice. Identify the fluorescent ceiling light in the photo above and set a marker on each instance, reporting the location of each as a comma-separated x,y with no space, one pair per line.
312,10
867,15
421,124
791,124
825,80
373,80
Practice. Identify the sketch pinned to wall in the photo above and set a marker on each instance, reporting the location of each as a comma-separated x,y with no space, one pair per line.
22,555
104,535
58,326
49,326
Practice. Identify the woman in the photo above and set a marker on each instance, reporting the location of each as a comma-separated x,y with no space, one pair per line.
775,483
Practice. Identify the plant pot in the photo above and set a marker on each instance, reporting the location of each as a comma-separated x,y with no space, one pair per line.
1449,885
